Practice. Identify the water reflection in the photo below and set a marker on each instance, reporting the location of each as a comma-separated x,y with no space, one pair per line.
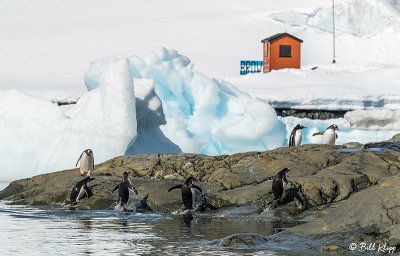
187,219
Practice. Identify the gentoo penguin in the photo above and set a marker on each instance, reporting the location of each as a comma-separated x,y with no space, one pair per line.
142,205
123,190
86,162
201,204
81,190
279,183
187,191
329,136
296,136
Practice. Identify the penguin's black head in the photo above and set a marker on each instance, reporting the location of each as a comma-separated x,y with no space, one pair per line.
90,178
126,174
333,127
189,180
88,152
299,126
283,172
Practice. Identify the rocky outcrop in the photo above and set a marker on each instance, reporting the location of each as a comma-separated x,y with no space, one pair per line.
320,175
351,191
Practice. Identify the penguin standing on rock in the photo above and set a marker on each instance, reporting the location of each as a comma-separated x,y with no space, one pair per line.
123,190
187,191
279,183
296,136
86,162
81,190
329,136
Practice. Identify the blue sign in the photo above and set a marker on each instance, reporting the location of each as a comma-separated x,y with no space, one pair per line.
250,66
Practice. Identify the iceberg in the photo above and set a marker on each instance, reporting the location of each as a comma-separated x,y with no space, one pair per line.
39,137
203,115
374,119
157,104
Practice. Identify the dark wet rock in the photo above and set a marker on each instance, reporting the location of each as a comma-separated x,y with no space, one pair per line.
321,175
369,215
309,113
353,145
385,144
246,239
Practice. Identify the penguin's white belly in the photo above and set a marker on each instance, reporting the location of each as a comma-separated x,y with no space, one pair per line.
284,189
81,193
298,137
329,137
86,163
193,197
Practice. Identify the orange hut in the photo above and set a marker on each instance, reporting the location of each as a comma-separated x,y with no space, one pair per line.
281,51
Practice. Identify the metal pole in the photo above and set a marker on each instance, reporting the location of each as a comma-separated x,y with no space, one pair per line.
333,16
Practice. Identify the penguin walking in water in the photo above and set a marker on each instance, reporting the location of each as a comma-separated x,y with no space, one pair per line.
86,161
123,190
279,183
296,136
142,205
187,191
81,190
329,136
201,204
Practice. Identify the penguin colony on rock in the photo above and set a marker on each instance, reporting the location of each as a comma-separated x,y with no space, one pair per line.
82,188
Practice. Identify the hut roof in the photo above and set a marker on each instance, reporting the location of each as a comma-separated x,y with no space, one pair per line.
279,35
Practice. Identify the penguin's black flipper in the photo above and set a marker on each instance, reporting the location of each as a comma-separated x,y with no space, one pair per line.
198,188
116,187
132,188
291,138
267,179
92,186
291,141
175,187
337,136
78,160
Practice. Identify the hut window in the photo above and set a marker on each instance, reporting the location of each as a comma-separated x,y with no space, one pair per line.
285,51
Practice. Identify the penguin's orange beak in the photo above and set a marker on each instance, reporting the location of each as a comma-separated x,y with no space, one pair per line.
337,129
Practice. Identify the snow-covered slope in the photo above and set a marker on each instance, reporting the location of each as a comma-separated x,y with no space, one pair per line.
367,73
346,86
378,119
